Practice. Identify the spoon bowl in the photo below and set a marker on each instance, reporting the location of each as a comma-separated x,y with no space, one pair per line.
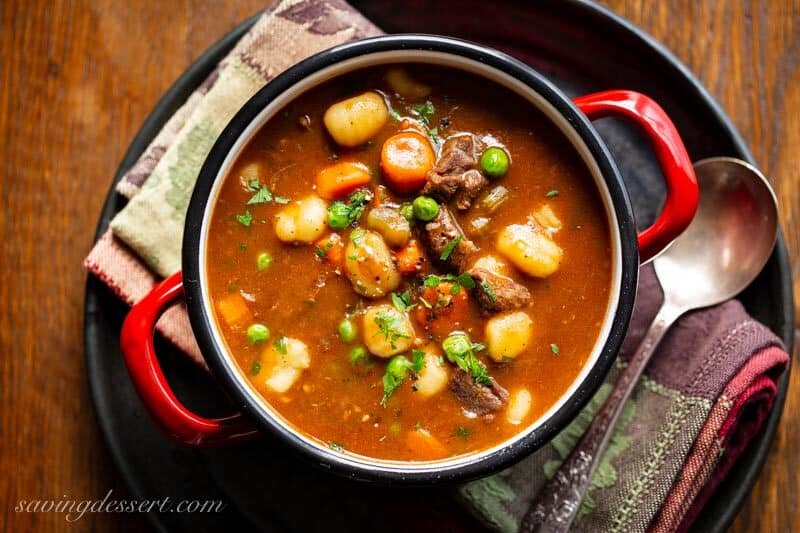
728,242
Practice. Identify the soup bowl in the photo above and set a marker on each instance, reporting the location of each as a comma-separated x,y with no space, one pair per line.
573,118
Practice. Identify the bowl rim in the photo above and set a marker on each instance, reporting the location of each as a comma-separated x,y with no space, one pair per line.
470,468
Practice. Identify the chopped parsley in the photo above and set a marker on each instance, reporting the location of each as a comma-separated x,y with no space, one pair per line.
262,194
418,362
460,350
463,432
463,280
282,200
392,327
255,369
449,247
390,383
402,302
394,115
246,219
552,194
347,214
280,345
488,291
323,251
554,348
425,112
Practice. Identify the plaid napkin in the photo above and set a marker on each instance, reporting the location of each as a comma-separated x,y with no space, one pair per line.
702,399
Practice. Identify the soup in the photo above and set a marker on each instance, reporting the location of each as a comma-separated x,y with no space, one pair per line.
409,263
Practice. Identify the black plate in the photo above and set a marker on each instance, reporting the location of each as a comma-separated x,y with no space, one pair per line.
580,47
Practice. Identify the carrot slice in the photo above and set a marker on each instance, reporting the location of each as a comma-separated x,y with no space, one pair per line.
425,445
331,248
409,258
233,309
406,159
442,311
340,179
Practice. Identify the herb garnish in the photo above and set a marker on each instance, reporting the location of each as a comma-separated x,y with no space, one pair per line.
246,219
449,247
552,194
280,345
354,207
489,292
392,327
554,348
460,350
394,115
322,252
418,361
402,302
424,112
464,280
463,432
263,195
255,369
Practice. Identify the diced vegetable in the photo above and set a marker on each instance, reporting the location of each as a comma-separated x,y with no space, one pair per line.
406,86
342,178
407,210
394,228
263,261
425,208
546,217
257,333
424,445
409,258
284,361
302,221
387,331
495,162
443,307
508,335
433,376
369,265
354,121
233,309
406,159
347,330
518,406
331,248
494,198
530,250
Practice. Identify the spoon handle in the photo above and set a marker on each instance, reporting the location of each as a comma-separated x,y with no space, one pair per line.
559,499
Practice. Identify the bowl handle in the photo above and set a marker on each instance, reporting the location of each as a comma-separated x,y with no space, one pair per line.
682,191
139,352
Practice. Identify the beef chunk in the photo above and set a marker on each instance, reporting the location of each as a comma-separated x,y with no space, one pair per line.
496,292
480,399
456,173
443,231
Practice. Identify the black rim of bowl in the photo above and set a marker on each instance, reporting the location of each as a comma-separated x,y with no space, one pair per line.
328,460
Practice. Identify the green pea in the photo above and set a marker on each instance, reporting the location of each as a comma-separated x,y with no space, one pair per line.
407,210
347,330
425,208
338,215
357,355
263,261
257,333
398,367
494,162
456,346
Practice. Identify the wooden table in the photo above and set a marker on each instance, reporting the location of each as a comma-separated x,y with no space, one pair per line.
78,79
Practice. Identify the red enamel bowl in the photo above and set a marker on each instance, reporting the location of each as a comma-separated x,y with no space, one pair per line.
572,117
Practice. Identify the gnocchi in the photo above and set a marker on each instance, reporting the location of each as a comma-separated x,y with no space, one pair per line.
285,361
530,250
303,221
508,335
369,265
434,375
391,224
354,121
387,331
404,85
519,405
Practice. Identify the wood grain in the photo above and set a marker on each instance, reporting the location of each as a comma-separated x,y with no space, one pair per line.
78,78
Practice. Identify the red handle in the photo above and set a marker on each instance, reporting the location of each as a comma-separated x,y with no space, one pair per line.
682,191
140,356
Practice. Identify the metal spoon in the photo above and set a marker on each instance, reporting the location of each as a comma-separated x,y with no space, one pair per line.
719,254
